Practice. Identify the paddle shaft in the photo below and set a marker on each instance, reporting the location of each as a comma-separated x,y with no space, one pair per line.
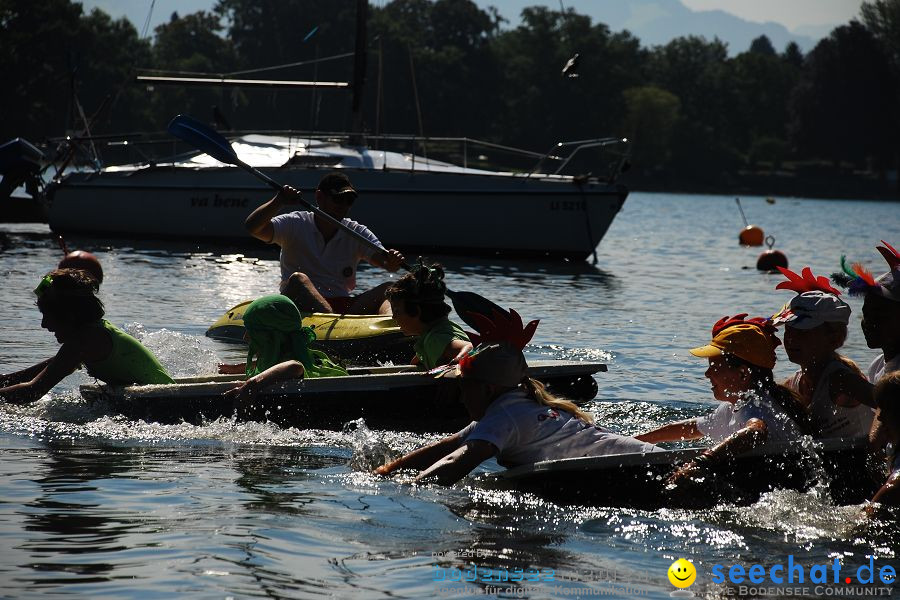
212,143
463,302
277,186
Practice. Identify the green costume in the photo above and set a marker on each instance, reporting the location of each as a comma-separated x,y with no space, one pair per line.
432,343
129,362
275,335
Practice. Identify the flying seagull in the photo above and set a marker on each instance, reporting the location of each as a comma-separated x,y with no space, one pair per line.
571,66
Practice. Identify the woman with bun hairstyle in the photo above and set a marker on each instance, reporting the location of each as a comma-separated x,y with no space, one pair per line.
418,306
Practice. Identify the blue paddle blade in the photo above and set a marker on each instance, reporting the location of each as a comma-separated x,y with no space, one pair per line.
203,138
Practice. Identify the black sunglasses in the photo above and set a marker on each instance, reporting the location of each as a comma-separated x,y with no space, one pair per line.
347,198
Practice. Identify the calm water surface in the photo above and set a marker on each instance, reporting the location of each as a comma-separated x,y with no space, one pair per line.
94,505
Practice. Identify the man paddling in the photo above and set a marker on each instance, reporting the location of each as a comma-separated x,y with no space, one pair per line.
318,257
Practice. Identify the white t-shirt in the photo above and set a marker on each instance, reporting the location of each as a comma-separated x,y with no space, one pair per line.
729,418
829,419
879,368
332,266
525,431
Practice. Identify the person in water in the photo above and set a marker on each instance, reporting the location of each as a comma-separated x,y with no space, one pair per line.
887,394
754,410
880,320
834,391
418,306
73,313
513,419
318,257
278,348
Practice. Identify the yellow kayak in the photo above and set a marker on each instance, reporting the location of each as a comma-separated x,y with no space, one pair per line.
358,338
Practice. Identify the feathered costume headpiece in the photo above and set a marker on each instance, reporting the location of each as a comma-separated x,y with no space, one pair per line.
807,282
499,328
764,324
803,283
859,281
502,328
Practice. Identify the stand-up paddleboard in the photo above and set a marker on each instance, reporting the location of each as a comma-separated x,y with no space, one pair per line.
400,397
364,339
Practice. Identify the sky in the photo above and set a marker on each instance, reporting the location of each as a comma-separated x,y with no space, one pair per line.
793,14
809,17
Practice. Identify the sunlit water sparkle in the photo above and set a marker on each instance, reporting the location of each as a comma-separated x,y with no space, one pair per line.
94,504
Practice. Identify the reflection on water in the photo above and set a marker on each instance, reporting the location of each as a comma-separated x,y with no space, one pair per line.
93,504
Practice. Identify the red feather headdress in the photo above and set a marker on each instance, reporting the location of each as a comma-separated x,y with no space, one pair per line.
502,328
890,255
807,282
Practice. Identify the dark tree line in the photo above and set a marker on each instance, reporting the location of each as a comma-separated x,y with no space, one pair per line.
689,107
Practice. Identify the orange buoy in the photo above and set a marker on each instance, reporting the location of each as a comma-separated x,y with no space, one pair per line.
771,259
751,235
85,261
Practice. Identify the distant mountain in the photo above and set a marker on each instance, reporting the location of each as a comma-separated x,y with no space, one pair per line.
657,22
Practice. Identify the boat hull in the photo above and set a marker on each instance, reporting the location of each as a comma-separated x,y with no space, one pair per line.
639,481
399,398
358,339
445,212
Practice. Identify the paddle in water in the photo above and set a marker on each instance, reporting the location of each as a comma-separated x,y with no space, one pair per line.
207,140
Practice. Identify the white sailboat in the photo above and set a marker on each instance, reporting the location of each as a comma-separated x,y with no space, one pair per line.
410,201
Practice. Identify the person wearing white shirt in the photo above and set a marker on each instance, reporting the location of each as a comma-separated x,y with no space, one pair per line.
880,324
832,388
514,420
755,410
318,257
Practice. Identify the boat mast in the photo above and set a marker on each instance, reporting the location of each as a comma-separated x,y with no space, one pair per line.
359,70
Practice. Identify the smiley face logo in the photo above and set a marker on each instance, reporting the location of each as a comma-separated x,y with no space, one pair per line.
682,573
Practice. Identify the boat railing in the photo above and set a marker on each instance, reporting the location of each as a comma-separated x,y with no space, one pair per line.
161,148
565,152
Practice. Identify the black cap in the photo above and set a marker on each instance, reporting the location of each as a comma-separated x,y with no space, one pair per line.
336,184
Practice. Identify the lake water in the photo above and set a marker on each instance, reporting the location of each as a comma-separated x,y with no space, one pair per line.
93,505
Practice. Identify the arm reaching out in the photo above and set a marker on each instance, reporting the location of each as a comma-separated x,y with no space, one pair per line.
422,457
23,375
460,463
752,435
673,432
45,375
247,390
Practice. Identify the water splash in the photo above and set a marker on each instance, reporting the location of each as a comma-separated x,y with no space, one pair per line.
182,355
802,517
370,450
